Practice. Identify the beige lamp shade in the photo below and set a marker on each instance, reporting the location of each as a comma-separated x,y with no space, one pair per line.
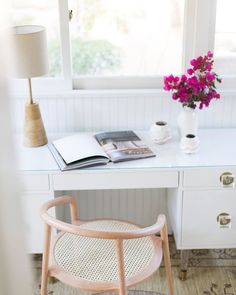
31,59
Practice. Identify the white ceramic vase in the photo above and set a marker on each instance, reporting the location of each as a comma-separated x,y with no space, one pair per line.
187,121
189,143
160,132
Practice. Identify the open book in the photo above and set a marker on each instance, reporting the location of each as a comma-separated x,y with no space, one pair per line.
85,150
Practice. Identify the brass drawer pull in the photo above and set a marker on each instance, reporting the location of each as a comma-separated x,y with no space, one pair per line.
224,220
227,179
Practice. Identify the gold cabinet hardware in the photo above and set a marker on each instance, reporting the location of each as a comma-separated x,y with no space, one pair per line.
227,179
224,220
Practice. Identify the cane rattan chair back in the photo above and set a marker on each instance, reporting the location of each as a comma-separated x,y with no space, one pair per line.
101,255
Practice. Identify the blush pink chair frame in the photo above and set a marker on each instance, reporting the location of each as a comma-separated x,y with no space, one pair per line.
74,228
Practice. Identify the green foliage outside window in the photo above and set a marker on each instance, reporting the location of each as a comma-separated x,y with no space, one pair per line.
88,57
94,57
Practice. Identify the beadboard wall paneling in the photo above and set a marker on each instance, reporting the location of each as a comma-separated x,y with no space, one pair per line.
140,206
95,111
111,110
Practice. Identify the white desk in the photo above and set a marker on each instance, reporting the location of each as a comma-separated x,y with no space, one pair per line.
195,194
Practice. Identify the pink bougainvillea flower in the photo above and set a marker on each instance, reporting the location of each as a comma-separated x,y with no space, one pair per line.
190,71
209,66
210,53
174,96
193,62
167,88
210,76
199,87
183,78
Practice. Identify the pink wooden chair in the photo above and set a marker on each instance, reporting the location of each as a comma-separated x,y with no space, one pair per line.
102,255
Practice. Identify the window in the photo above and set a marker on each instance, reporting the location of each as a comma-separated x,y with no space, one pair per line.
126,37
225,37
97,44
43,12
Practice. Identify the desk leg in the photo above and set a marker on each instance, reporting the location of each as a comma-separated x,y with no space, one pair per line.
184,256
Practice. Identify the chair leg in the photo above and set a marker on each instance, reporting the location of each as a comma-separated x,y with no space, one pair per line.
121,267
166,251
46,246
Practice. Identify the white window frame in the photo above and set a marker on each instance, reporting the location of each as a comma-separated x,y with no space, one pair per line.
199,35
19,87
198,38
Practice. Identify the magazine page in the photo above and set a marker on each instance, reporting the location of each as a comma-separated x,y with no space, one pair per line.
78,147
123,146
87,162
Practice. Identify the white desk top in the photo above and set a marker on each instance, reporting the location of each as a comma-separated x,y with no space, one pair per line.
217,148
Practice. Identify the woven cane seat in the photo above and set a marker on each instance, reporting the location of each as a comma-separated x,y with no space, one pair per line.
94,260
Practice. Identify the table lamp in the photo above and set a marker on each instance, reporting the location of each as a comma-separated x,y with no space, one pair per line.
31,60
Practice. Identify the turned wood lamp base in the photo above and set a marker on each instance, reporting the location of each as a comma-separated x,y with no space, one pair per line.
34,132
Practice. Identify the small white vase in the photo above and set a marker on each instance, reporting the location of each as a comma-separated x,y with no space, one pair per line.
189,143
160,132
187,121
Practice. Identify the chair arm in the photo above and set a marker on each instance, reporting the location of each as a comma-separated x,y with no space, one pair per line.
61,201
76,229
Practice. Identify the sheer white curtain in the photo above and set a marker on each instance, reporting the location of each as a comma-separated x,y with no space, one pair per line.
15,272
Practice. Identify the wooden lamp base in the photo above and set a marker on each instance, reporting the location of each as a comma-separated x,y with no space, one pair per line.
34,132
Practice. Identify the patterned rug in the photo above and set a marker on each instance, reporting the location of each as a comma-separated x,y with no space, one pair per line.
133,292
216,290
204,257
201,281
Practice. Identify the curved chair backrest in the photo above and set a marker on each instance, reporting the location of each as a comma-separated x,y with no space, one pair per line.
75,229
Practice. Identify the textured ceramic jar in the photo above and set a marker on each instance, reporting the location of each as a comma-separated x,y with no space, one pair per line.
189,143
160,132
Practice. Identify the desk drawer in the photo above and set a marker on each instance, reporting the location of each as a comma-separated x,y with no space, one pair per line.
208,177
202,211
33,224
35,182
85,180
